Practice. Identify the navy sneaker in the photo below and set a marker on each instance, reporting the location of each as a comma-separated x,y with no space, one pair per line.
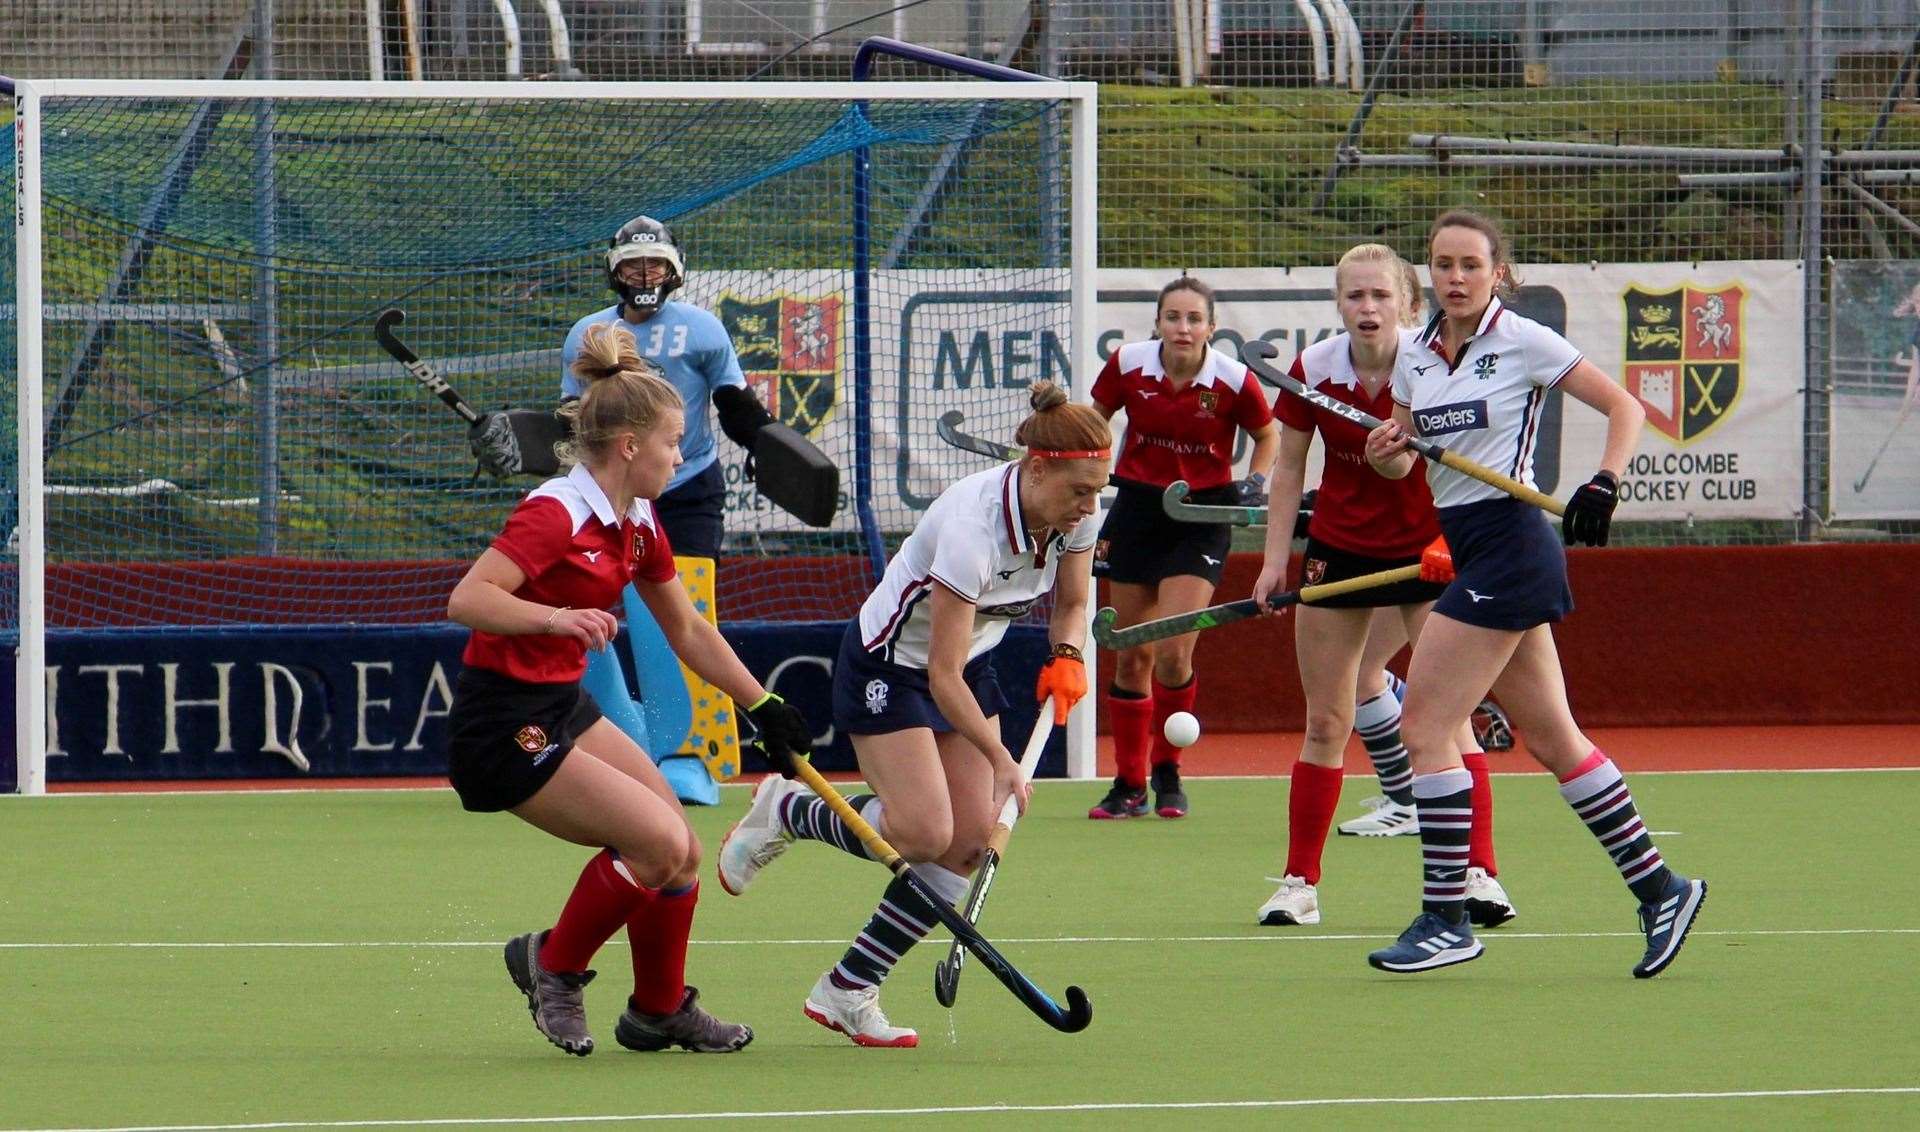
1428,944
1666,922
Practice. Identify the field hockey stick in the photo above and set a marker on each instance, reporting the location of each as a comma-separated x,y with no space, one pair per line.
1257,352
949,430
1174,502
1861,483
1078,1011
1229,612
421,371
946,973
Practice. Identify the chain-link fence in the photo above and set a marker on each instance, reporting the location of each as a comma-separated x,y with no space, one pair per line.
1254,134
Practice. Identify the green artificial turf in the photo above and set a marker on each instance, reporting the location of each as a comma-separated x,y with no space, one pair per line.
411,1017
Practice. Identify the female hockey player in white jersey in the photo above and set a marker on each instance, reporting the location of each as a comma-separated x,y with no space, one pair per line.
1477,379
915,689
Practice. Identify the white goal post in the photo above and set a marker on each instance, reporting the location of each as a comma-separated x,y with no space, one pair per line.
32,316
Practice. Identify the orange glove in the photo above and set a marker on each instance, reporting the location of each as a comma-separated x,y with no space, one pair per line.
1063,679
1436,562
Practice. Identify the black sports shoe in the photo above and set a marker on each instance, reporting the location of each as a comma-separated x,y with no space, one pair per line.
1123,801
1169,801
553,997
688,1027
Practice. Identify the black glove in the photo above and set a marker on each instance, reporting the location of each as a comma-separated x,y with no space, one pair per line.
1250,492
494,445
1590,511
782,733
1306,513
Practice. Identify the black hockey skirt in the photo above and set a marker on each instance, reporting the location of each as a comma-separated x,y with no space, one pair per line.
1510,571
507,737
1140,545
1327,563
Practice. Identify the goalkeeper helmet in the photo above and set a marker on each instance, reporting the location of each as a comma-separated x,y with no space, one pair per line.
643,237
1490,727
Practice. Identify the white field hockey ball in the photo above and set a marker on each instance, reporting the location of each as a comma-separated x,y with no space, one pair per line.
1182,729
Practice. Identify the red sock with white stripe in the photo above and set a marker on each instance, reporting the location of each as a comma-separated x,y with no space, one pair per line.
657,932
1312,796
1131,714
1599,794
604,896
1166,701
1480,837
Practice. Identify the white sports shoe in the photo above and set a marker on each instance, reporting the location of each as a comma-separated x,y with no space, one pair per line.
1296,903
1384,818
1487,903
856,1013
756,839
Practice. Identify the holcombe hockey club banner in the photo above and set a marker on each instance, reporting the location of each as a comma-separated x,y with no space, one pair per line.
1713,351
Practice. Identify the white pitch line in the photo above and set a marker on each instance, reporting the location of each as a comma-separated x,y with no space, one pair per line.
321,791
1008,1109
1492,935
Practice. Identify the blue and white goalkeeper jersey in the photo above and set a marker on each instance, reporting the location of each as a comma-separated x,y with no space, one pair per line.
693,351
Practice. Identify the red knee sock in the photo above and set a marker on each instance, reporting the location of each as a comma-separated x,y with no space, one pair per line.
1480,834
602,899
657,932
1166,701
1312,796
1131,716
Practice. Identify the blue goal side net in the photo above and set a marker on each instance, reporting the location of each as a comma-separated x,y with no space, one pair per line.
224,443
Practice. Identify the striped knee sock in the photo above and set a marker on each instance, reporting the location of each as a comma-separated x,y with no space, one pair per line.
1377,722
1445,801
807,817
902,920
1600,796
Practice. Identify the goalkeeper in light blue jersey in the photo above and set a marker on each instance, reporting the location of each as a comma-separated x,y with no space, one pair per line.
690,346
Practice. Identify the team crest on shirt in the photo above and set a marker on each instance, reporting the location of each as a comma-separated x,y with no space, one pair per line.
639,544
1485,365
789,348
1684,350
1209,400
532,738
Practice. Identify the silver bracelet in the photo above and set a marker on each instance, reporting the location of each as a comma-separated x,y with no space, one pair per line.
548,628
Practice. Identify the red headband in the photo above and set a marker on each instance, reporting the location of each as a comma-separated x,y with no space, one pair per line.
1073,453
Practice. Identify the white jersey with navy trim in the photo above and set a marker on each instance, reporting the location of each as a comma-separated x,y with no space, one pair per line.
974,541
1485,404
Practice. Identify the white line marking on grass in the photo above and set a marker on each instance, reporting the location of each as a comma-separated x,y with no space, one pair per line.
1272,937
9,798
993,1110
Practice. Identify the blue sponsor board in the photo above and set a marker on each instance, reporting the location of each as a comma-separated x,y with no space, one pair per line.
347,702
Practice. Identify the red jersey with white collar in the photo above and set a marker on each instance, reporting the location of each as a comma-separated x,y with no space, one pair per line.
1358,510
575,552
1185,434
